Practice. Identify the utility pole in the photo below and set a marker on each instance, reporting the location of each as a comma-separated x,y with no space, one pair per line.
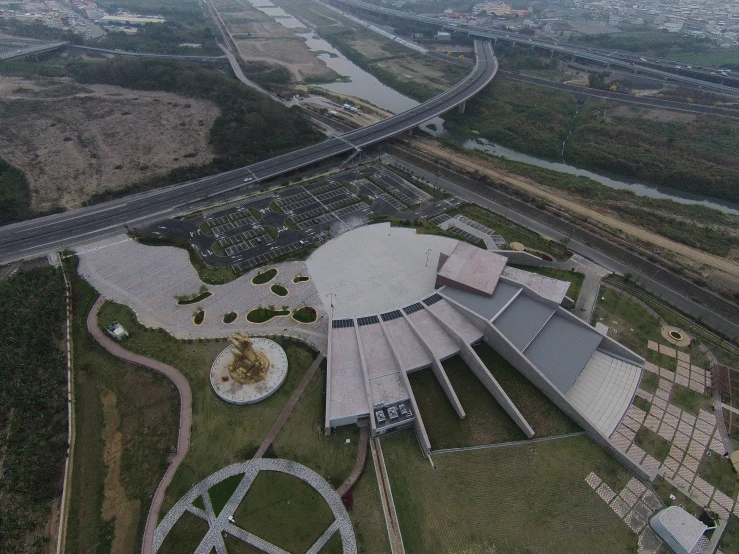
331,295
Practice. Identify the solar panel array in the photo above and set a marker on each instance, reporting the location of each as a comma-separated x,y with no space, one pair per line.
369,320
342,323
433,299
389,316
413,308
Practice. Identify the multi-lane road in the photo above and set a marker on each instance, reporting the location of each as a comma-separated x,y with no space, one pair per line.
701,78
39,236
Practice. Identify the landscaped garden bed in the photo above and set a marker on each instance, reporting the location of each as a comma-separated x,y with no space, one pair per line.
198,317
230,317
261,315
264,276
279,290
306,314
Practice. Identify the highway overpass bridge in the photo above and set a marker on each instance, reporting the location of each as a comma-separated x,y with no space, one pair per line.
33,238
23,48
702,81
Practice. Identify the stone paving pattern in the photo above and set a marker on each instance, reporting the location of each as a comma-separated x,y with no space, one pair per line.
634,505
148,278
691,437
218,525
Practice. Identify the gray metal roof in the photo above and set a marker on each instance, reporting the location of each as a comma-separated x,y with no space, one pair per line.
562,349
523,319
487,307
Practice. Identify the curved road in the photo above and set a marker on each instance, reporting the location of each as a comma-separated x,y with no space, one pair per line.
616,58
52,233
183,437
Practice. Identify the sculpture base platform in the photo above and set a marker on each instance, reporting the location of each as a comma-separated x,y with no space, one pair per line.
236,393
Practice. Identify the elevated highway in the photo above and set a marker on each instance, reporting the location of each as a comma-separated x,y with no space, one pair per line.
607,58
39,236
31,49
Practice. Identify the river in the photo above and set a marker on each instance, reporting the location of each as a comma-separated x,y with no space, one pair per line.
365,86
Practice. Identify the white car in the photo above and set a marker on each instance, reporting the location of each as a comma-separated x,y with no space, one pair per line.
248,179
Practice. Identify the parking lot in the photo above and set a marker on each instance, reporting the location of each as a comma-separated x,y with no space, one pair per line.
254,231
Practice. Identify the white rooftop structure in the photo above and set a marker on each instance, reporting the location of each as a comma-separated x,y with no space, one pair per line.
389,321
680,530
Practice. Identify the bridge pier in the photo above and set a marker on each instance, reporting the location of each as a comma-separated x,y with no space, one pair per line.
462,107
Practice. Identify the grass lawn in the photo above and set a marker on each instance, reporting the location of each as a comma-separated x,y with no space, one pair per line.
185,535
302,439
689,400
662,360
649,381
205,228
652,443
641,403
730,539
222,433
256,214
486,422
665,489
221,492
543,416
264,276
261,315
218,250
131,411
333,546
272,232
575,279
622,314
275,208
512,232
290,224
282,509
522,498
718,471
279,290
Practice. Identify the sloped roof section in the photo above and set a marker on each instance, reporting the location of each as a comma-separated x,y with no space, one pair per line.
471,268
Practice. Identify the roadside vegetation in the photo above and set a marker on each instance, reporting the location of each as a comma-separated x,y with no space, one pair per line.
126,427
697,226
33,408
689,153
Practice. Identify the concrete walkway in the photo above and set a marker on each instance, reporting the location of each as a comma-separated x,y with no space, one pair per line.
359,465
183,438
270,437
222,523
588,296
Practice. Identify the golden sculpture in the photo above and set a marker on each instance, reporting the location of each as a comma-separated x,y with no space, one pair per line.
248,366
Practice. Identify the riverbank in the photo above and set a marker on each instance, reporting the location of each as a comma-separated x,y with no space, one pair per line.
636,219
686,152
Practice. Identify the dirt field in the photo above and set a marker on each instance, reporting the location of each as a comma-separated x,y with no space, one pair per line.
259,38
72,141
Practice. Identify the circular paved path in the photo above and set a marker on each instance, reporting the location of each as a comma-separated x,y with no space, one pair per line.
220,524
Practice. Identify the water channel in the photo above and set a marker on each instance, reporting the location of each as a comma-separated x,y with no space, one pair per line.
365,86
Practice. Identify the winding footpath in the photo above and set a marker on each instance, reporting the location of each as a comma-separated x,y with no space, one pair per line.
183,438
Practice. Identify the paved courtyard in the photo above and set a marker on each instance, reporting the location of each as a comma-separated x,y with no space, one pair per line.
692,438
149,278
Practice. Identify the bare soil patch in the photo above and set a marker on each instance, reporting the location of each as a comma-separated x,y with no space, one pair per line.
291,53
116,505
72,141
